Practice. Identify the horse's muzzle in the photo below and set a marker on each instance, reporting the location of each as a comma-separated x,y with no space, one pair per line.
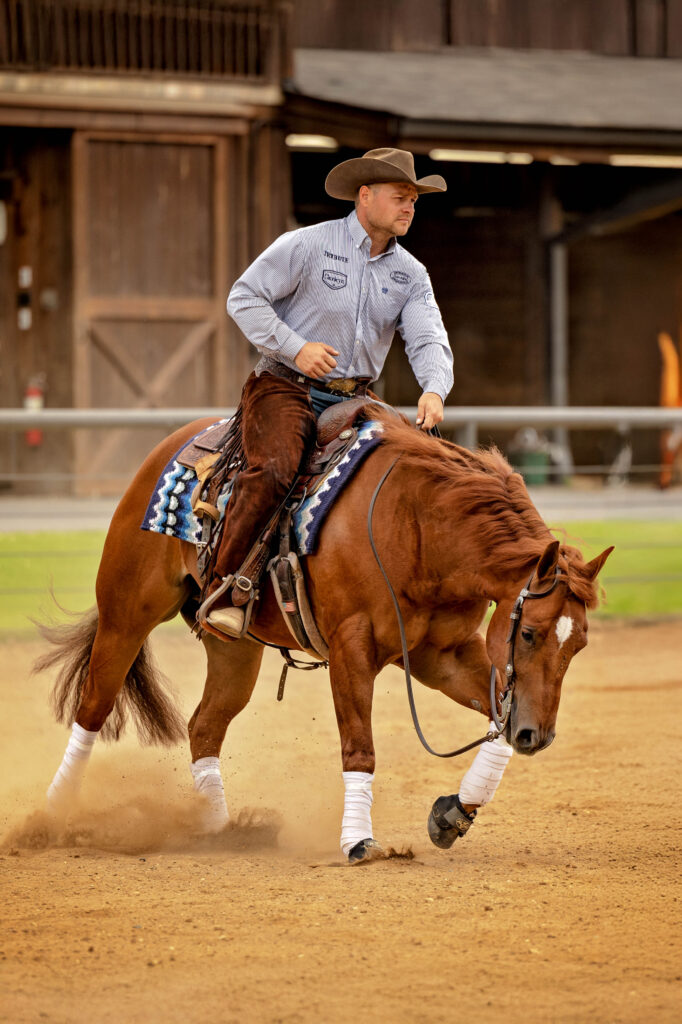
530,741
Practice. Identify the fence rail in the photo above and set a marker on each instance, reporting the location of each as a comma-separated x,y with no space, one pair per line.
464,421
471,417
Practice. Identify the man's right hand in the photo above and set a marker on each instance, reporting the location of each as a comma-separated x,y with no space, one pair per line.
316,359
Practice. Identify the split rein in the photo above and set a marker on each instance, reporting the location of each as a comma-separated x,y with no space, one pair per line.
500,721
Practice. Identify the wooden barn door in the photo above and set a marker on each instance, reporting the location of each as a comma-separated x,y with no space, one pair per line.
152,271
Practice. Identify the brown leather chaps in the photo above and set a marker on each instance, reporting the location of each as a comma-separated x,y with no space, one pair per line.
278,429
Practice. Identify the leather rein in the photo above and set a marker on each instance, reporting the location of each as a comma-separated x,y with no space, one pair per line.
525,594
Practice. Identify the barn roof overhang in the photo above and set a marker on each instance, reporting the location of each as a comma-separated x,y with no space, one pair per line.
109,101
580,104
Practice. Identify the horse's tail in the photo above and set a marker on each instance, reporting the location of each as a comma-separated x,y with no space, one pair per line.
142,694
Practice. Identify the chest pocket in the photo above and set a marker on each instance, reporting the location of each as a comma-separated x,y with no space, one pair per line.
390,299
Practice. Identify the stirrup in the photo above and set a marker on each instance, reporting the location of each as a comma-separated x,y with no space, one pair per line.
202,613
220,618
203,621
205,608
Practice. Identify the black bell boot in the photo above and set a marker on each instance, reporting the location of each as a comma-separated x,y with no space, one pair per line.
448,820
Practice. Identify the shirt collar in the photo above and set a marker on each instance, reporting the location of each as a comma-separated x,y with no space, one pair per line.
360,236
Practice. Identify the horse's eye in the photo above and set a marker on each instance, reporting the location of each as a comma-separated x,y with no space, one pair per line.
528,635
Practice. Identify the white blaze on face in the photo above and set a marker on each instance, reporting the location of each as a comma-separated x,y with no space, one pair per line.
564,628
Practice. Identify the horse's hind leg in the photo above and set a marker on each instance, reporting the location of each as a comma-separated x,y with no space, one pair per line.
108,654
230,678
111,658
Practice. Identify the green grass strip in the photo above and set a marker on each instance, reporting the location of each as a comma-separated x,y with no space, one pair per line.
643,576
32,562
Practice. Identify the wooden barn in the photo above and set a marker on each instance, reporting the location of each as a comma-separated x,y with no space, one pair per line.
148,150
141,164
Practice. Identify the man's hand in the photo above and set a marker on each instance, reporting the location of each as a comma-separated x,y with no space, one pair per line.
316,359
429,410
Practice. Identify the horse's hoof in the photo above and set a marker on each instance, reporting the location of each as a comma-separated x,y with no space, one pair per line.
447,821
366,849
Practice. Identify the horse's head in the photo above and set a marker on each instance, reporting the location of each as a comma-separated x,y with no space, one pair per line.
550,628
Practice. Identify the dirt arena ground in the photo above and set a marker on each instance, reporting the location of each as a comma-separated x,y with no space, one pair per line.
563,903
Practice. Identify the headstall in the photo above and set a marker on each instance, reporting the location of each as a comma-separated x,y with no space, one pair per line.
509,669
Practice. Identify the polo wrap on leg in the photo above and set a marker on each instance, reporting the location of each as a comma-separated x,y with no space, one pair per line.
483,777
209,782
66,784
357,807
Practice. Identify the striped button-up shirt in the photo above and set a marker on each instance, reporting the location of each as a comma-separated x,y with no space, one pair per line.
320,284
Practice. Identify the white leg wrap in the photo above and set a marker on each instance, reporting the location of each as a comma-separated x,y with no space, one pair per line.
487,768
357,807
209,782
66,784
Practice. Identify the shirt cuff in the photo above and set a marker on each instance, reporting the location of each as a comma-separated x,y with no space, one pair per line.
437,387
291,346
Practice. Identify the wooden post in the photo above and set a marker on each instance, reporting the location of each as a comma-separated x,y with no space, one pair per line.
558,313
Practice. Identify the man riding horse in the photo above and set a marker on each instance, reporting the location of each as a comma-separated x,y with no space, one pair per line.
346,281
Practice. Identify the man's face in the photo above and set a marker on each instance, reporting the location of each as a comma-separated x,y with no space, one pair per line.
389,206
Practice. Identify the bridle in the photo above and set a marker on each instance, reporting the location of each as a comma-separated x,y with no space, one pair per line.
509,670
506,697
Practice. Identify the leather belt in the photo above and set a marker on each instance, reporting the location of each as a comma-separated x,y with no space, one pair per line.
346,387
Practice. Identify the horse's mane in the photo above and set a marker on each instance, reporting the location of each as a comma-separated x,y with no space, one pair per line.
486,486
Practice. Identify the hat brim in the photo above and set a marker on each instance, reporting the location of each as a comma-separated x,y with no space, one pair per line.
345,179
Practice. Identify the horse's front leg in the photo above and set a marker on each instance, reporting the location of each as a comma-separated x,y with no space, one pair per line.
463,674
352,672
232,670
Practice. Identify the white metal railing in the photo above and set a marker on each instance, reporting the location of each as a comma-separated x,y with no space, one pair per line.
464,421
464,416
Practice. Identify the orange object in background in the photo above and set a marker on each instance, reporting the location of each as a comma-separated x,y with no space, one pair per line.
670,398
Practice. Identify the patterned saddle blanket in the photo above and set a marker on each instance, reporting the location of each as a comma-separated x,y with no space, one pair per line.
170,506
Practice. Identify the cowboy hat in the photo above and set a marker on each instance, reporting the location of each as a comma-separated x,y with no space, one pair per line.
376,166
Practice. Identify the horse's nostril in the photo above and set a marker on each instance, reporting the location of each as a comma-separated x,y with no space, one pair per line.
525,739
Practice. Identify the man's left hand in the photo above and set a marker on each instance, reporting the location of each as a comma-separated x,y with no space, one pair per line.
429,410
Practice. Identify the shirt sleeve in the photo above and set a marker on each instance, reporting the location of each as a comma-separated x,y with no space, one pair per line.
273,276
426,341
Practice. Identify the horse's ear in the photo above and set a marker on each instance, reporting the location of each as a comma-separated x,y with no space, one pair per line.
593,568
548,560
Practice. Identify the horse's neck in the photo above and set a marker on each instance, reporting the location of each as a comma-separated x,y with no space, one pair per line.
464,556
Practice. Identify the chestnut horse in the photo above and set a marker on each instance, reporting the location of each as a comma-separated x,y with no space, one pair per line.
454,530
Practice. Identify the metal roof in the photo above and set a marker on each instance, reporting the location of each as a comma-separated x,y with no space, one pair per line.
504,87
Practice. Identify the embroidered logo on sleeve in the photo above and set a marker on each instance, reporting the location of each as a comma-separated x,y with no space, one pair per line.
429,300
334,279
400,277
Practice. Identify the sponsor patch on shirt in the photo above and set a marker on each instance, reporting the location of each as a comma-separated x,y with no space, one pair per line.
400,277
334,279
333,256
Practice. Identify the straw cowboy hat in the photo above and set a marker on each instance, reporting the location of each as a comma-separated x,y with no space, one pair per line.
375,166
